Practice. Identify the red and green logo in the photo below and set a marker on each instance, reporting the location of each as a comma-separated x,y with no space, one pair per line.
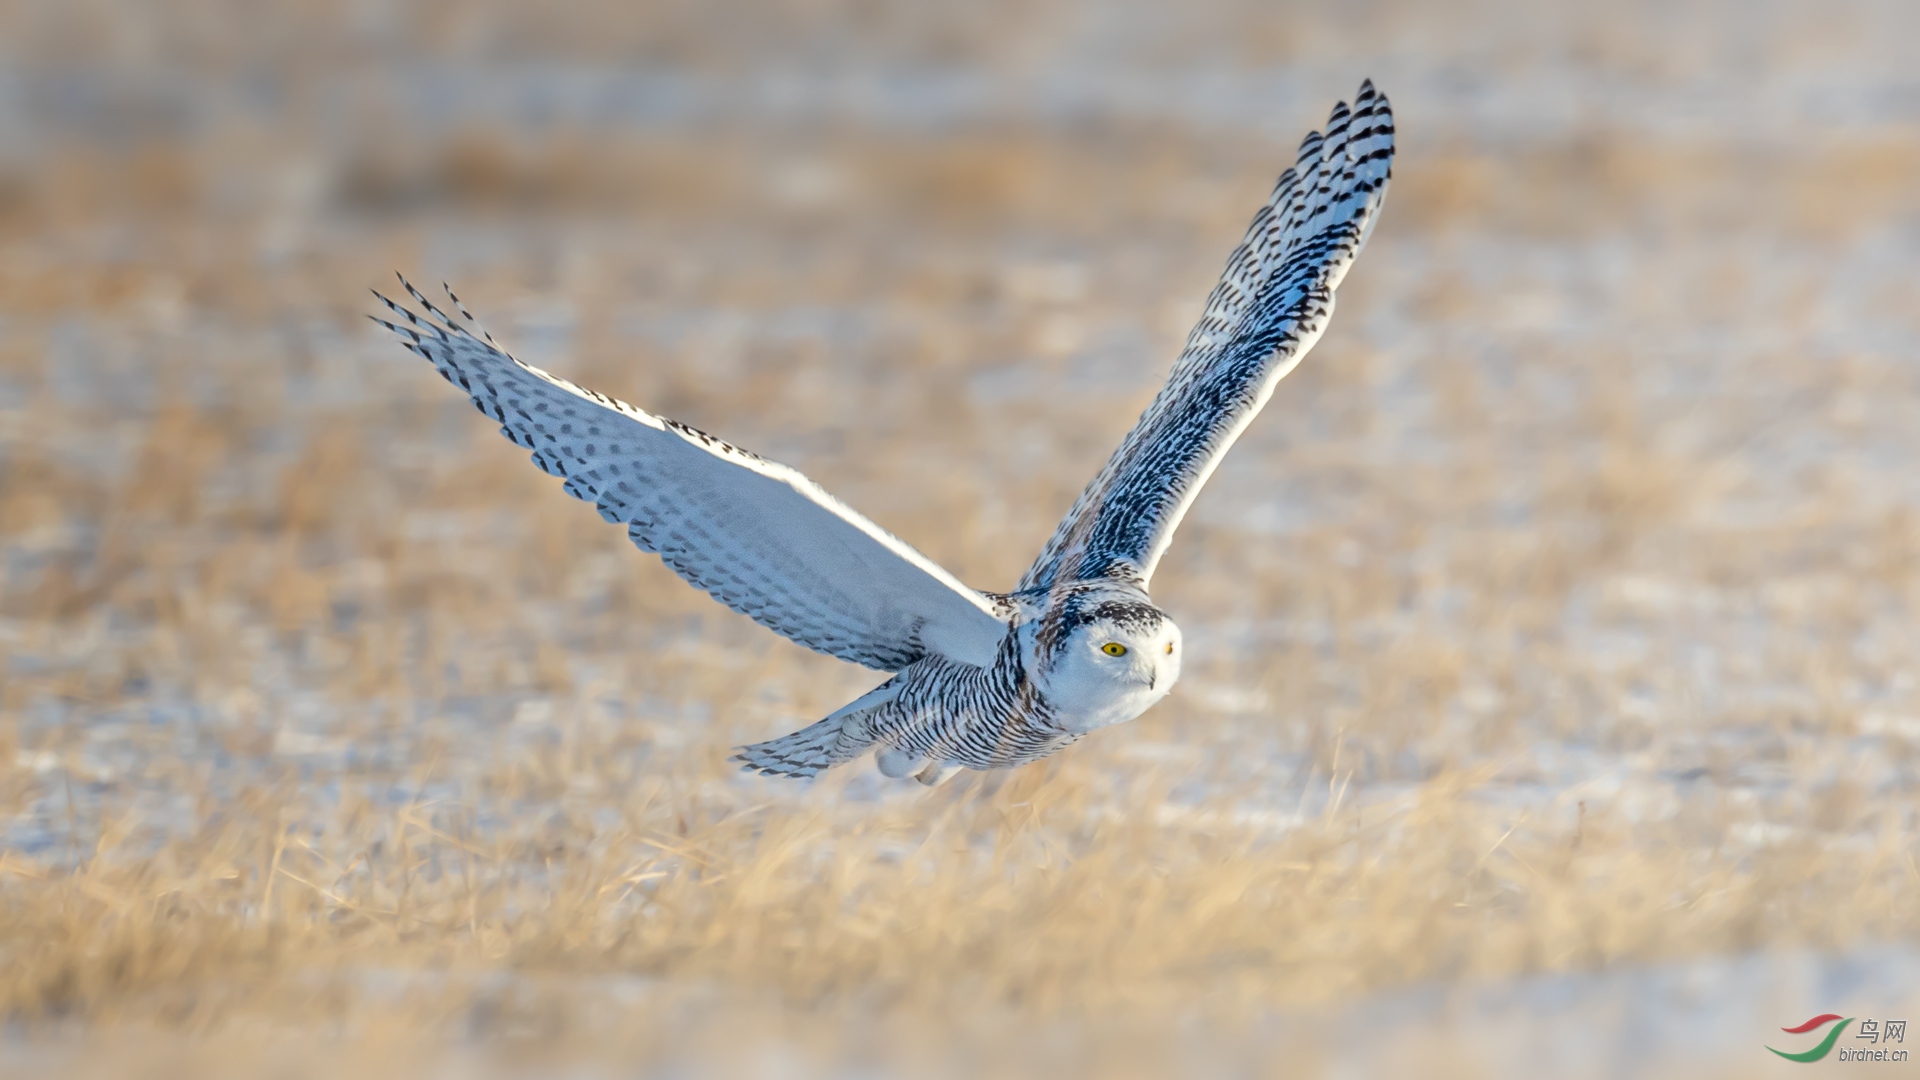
1826,1044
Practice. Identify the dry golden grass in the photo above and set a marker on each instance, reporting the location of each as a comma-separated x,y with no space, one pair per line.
1557,617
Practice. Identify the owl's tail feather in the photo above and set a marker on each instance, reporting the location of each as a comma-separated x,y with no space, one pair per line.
839,738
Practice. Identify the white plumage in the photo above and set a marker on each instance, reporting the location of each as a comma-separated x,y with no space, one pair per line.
982,680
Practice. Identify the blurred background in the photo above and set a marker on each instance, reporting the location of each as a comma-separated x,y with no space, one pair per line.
1551,706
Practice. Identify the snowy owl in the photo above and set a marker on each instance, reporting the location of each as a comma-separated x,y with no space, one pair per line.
979,680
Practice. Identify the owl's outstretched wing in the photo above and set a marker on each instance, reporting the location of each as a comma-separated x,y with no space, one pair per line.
758,536
1269,308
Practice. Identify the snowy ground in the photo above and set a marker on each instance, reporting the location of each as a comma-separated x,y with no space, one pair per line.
1551,694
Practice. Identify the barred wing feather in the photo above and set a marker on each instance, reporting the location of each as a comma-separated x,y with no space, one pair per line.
758,536
1269,308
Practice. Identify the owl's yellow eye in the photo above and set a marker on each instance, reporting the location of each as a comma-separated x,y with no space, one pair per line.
1114,648
1169,648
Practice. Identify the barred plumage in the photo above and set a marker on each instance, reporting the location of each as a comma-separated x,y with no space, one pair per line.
1270,306
981,680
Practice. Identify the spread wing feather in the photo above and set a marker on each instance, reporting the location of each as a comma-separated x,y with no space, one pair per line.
1269,308
758,536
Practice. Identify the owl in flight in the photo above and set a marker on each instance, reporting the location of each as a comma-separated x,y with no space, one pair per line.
979,680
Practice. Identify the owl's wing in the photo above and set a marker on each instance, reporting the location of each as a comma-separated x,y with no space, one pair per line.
1269,308
758,536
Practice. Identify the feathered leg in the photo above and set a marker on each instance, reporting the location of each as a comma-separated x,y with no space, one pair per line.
936,773
898,764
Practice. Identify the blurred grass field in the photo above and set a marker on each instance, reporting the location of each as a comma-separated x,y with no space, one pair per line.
1556,621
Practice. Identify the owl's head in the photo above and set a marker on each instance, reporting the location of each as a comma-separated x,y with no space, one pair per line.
1109,662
